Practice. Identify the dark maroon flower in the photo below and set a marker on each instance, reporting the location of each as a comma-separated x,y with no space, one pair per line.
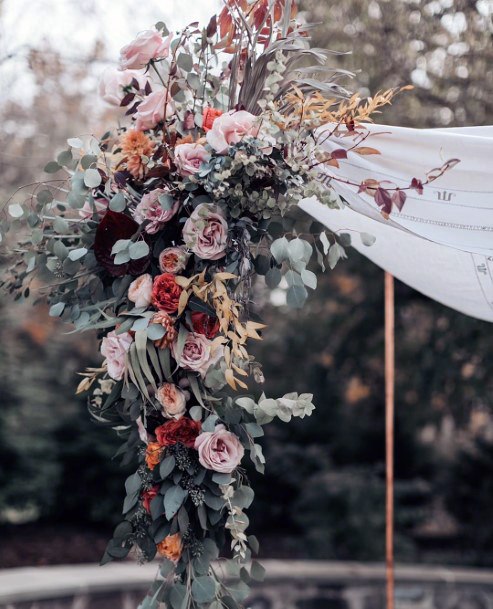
205,324
113,227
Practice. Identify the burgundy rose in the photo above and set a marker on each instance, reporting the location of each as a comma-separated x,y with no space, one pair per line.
113,227
183,431
166,293
205,324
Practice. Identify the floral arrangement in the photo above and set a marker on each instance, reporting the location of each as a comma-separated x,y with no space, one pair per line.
155,236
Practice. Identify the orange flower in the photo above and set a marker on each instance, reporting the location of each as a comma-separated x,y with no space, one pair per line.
136,144
171,547
209,116
153,454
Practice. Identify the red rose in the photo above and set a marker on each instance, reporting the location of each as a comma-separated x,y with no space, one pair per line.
166,293
183,431
205,324
148,496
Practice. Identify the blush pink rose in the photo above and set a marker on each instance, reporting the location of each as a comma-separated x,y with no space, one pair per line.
173,259
148,45
140,291
150,209
198,353
206,232
172,399
189,157
219,450
230,128
114,347
113,82
151,111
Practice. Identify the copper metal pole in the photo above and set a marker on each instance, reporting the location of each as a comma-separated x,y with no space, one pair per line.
389,434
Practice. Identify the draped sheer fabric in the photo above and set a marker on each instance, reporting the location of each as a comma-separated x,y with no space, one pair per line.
441,242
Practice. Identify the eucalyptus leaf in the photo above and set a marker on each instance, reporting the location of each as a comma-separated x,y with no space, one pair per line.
185,62
173,500
57,309
280,250
309,279
138,250
92,178
167,466
367,239
118,202
296,296
16,210
52,167
155,331
203,589
78,253
273,278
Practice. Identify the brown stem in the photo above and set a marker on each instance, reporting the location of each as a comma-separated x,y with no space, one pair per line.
389,434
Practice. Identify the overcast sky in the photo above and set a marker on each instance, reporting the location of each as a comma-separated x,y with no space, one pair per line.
72,27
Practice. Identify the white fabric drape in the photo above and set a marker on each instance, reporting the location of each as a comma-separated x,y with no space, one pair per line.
441,243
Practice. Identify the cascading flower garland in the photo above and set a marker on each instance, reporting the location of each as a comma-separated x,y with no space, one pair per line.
154,238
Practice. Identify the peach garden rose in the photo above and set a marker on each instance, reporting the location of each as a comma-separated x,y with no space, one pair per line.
172,399
140,291
171,547
173,259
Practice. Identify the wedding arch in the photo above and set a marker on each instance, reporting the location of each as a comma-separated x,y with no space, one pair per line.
155,234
